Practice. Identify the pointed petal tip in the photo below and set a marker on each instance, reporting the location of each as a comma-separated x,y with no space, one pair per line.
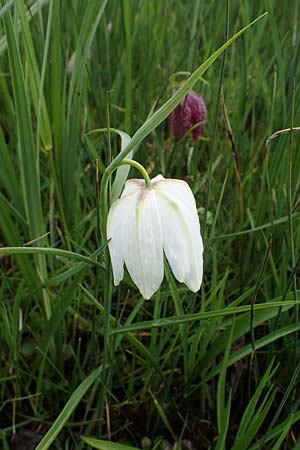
147,294
195,284
117,281
195,289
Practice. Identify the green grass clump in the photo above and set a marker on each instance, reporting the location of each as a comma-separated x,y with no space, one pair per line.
213,370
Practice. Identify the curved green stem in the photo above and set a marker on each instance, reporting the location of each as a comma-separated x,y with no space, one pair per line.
140,168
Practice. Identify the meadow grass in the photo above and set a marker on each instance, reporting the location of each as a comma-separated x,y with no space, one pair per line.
84,363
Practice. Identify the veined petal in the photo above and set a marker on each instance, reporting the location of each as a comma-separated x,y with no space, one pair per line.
120,214
182,242
157,178
120,217
180,189
133,185
143,253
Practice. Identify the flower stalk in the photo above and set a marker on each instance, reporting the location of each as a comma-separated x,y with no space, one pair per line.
104,193
140,168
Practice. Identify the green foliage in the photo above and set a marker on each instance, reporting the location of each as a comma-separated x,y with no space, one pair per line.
218,369
104,445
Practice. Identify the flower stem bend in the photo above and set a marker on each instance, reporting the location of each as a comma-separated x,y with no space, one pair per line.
140,168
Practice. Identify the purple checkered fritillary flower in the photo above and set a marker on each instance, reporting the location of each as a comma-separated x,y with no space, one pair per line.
189,112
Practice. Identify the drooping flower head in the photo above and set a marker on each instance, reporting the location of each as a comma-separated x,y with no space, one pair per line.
148,222
190,111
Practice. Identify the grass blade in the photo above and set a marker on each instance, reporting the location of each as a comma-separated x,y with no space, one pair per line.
106,445
48,251
28,156
70,406
34,77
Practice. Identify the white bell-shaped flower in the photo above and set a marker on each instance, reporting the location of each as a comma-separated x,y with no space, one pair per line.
148,222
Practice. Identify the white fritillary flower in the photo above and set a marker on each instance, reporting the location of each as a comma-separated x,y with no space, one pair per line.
148,222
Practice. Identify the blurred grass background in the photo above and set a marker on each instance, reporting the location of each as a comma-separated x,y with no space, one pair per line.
63,66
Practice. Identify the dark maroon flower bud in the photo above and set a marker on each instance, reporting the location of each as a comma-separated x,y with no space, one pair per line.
189,112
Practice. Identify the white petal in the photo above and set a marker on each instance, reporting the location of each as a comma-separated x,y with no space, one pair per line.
117,224
143,253
157,178
179,188
182,242
133,185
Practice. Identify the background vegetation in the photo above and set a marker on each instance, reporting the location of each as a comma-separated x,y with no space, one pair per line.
214,370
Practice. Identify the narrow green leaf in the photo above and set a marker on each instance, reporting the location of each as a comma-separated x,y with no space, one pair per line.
12,236
27,153
250,409
48,251
241,329
106,445
70,155
221,407
8,178
176,320
6,7
180,312
32,10
255,424
247,349
128,65
70,406
293,418
93,13
57,316
221,444
285,430
58,98
262,227
163,416
34,77
77,269
122,171
291,384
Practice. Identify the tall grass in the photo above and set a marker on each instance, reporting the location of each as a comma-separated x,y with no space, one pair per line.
79,82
